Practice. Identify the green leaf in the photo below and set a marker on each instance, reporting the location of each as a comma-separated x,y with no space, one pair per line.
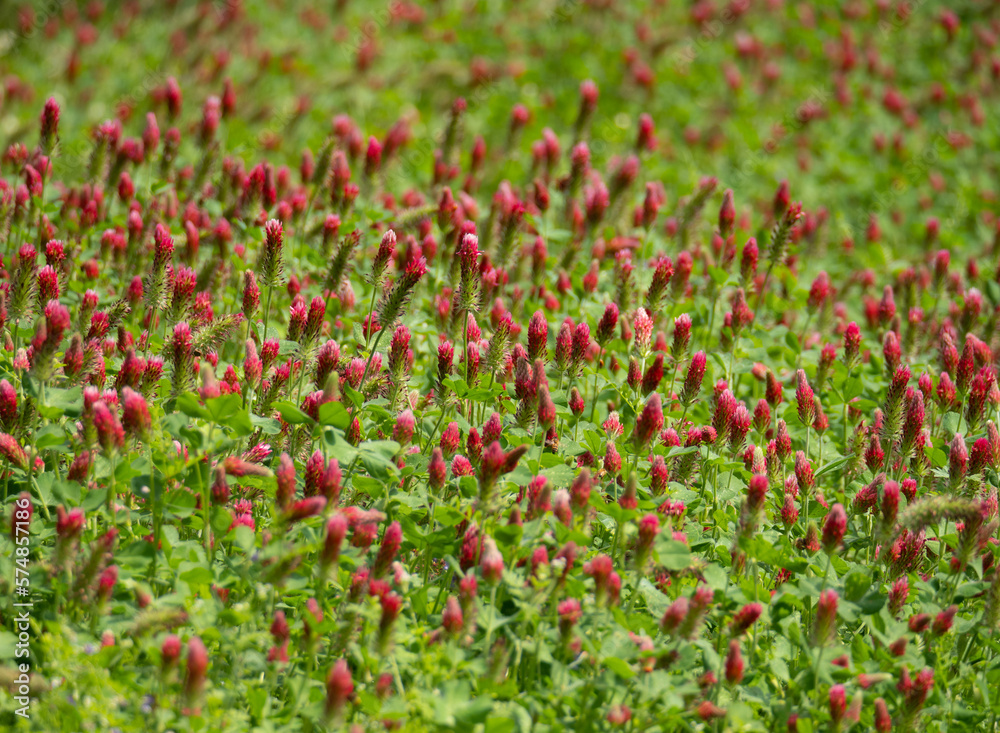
832,466
188,404
377,466
244,538
335,414
715,576
224,407
856,584
672,554
779,669
872,602
228,410
256,697
45,481
500,725
59,402
291,414
93,499
385,448
655,600
373,487
509,534
620,667
222,520
356,398
267,425
49,436
340,449
67,491
457,385
548,460
853,388
197,575
718,275
180,502
560,475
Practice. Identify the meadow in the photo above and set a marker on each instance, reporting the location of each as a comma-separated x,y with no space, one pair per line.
575,365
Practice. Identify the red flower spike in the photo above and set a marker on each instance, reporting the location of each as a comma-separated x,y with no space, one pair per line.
734,663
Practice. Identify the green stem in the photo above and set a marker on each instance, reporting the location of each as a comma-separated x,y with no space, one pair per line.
614,543
802,340
680,423
430,438
711,320
267,311
371,309
593,406
819,646
843,473
364,375
465,353
428,551
763,285
302,374
206,509
493,610
732,355
157,519
111,503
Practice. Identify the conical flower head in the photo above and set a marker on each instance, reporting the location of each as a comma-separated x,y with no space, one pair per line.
650,420
339,688
608,323
694,377
12,451
491,562
958,461
197,666
805,398
391,543
834,528
135,413
271,255
825,625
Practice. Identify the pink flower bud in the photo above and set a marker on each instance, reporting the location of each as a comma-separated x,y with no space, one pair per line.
491,563
135,412
452,620
387,552
727,214
437,470
339,688
693,380
285,476
834,528
170,651
745,618
336,531
805,398
643,325
883,721
734,663
958,460
825,625
650,420
197,665
838,704
13,452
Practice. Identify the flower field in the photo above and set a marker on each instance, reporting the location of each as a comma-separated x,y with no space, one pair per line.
575,365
